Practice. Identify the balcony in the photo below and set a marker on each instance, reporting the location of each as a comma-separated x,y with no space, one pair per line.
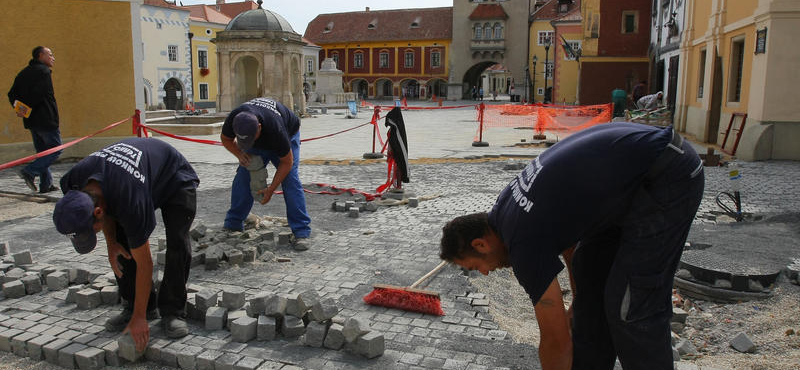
490,45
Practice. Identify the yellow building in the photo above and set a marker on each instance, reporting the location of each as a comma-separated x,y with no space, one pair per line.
740,59
542,48
204,23
97,73
554,72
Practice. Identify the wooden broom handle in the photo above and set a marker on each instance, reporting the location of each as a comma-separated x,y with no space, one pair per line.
435,270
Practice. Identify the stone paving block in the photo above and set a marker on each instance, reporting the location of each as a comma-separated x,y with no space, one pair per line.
292,327
243,329
191,308
154,349
57,280
353,328
33,283
5,338
413,202
72,293
78,276
233,316
371,207
323,310
127,349
685,347
13,274
88,299
248,363
353,212
19,343
266,328
36,344
211,263
197,259
334,339
235,257
370,345
207,359
4,248
169,354
226,361
741,342
14,289
110,295
198,232
233,298
161,258
52,349
205,299
315,334
85,338
187,358
283,238
216,318
23,258
679,315
295,306
111,351
258,305
91,359
66,355
249,254
275,306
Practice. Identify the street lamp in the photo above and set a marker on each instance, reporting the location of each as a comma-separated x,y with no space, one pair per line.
546,69
533,88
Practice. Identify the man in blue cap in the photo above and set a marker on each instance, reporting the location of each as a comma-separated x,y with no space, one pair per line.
266,128
117,190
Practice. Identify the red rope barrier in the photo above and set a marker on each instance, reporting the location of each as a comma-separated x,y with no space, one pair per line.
62,146
337,191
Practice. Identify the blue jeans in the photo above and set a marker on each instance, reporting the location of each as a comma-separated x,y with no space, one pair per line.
293,196
43,140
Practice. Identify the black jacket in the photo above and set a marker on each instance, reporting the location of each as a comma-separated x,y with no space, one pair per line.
34,87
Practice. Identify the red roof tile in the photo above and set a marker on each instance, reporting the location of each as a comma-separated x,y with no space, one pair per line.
389,25
162,4
207,13
488,11
233,9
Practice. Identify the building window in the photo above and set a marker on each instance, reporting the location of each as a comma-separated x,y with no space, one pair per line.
498,31
202,58
310,66
487,31
702,74
630,21
383,60
575,46
158,26
478,31
203,91
358,60
172,53
436,59
540,91
737,64
409,59
545,37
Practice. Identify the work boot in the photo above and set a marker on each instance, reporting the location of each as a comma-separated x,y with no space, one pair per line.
299,244
49,189
118,323
175,327
28,178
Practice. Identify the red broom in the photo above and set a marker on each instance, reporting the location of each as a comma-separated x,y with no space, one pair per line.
408,298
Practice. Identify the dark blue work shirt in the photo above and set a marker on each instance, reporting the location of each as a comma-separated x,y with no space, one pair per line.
137,176
579,186
278,124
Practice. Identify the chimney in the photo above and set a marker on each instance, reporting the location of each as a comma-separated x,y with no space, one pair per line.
367,9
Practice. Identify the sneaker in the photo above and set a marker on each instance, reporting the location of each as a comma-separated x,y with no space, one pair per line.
118,323
299,244
175,327
28,179
51,188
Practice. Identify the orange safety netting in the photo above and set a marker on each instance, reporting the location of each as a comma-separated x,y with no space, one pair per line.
541,118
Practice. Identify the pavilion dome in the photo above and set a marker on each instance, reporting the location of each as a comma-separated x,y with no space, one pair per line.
259,20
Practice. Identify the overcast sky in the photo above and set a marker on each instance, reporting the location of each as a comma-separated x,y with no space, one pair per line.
300,12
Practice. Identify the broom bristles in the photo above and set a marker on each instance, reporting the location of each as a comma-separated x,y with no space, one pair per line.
405,300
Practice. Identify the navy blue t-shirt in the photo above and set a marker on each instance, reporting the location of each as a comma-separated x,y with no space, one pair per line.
137,176
575,188
278,124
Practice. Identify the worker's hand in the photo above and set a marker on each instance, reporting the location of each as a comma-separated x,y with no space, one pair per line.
244,159
115,250
140,332
266,195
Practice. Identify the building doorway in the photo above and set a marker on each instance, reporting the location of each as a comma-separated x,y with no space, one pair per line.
173,94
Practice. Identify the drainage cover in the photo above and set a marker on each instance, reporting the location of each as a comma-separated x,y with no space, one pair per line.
715,277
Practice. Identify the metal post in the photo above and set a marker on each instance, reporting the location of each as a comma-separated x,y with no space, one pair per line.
480,141
546,69
375,115
137,128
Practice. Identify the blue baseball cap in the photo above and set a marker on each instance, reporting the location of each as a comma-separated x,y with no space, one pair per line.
245,126
74,217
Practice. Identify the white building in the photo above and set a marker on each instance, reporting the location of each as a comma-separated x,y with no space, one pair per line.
166,64
310,68
667,23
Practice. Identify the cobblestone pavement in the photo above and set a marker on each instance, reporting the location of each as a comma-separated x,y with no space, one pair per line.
393,245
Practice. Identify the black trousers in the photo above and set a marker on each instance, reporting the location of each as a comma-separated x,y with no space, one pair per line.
178,214
624,274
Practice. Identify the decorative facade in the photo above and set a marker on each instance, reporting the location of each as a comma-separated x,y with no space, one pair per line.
667,23
204,23
166,67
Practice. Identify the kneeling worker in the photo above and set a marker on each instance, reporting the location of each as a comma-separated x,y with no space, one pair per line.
117,190
626,195
266,128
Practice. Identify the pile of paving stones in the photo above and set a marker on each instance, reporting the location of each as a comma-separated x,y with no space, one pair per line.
683,348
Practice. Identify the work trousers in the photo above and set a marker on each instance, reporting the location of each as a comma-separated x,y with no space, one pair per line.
293,195
624,273
43,140
178,215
